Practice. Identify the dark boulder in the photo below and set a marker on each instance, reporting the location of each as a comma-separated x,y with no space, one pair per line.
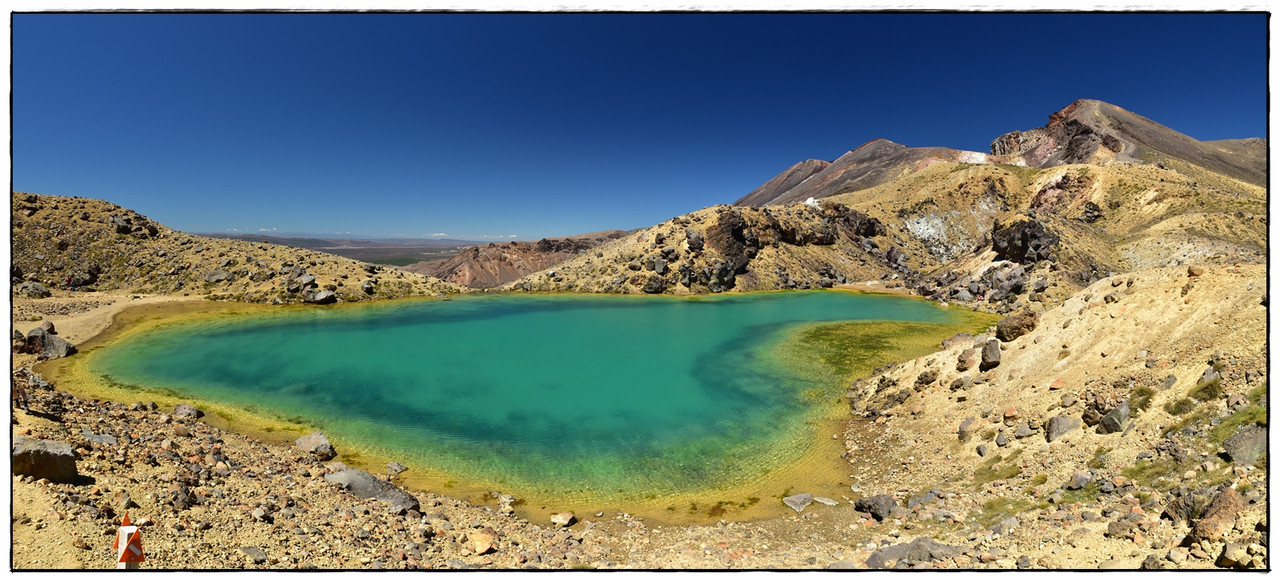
655,284
721,278
121,225
43,459
879,506
323,297
34,290
1060,425
48,346
1115,420
990,355
217,276
919,551
366,486
1016,325
1024,241
728,237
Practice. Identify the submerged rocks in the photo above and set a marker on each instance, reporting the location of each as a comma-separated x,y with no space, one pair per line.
564,519
799,501
366,486
44,459
317,445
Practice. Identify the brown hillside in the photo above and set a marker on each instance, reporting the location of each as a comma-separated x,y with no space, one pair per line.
495,264
101,246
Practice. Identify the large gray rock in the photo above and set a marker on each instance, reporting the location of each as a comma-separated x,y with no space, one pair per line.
1246,445
317,445
33,289
323,297
42,459
799,501
185,410
990,355
366,486
1060,425
920,551
48,346
217,276
879,506
1115,420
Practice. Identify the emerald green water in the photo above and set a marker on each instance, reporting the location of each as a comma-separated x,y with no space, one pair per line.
611,395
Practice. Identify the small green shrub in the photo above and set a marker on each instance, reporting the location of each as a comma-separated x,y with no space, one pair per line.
1180,407
1205,391
1141,398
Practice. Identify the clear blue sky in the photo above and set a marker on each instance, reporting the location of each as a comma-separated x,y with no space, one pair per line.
549,125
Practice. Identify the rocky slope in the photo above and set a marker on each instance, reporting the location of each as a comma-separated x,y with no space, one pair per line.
993,235
1094,132
495,264
92,244
871,164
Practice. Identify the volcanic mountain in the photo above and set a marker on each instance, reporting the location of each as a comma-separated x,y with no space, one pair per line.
1087,131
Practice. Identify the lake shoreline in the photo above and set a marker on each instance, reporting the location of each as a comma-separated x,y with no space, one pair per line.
279,429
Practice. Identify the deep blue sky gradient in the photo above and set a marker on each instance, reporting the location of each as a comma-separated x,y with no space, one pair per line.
556,124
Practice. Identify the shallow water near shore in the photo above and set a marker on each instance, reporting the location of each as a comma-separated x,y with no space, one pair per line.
559,396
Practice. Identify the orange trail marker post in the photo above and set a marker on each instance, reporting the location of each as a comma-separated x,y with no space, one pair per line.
128,546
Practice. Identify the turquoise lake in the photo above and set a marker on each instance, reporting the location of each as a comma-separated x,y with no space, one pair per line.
581,393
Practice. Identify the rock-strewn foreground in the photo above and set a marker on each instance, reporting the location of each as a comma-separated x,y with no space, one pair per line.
963,458
1115,418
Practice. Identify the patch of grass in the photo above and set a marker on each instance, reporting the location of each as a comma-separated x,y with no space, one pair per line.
1141,398
1099,458
1197,417
1147,471
1249,415
1205,391
1087,493
992,470
1181,407
1000,508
